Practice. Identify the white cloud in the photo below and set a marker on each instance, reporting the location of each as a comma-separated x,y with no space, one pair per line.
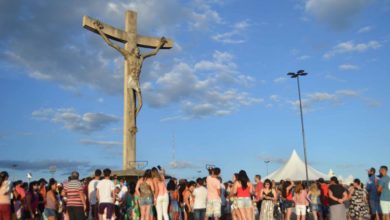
274,98
154,15
364,29
321,96
182,165
348,67
347,92
334,78
204,16
108,144
311,101
71,120
205,88
280,79
338,14
235,36
351,47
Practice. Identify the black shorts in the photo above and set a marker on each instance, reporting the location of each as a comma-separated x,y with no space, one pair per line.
108,206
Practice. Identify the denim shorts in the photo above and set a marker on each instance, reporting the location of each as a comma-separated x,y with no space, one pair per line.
244,202
143,201
50,212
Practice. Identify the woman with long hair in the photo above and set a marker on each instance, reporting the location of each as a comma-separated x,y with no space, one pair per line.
268,197
5,201
145,189
188,200
32,201
300,199
243,190
160,193
314,196
181,189
51,206
287,195
174,209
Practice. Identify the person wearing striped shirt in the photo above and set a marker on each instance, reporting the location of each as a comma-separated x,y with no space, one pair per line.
76,201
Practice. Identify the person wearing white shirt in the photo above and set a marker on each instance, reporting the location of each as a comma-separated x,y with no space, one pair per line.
105,194
92,194
200,199
123,190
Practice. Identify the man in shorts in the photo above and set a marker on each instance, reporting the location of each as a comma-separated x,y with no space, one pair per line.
384,190
105,195
213,208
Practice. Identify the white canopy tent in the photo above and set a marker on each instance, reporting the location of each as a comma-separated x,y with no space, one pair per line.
294,169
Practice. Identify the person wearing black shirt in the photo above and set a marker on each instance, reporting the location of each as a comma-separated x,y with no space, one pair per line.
337,196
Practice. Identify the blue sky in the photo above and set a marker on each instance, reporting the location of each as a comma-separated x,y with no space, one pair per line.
222,91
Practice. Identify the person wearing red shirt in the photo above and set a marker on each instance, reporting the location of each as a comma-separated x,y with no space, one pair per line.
324,197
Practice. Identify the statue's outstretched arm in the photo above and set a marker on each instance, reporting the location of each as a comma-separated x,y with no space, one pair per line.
157,49
99,26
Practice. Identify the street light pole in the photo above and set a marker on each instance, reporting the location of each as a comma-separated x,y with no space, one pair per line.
297,75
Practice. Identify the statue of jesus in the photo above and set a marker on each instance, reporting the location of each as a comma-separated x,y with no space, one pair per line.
135,60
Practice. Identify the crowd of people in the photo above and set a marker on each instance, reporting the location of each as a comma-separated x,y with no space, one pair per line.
156,197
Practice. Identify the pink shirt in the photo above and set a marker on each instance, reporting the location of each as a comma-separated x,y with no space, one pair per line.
213,188
301,198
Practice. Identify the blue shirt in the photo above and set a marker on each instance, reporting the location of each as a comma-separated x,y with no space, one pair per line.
371,187
385,183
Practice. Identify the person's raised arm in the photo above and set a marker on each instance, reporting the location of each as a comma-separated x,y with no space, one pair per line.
162,173
99,27
289,187
157,49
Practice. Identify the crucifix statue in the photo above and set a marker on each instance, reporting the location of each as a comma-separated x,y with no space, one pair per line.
132,70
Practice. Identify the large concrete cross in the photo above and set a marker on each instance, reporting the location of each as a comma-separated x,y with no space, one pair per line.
132,67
